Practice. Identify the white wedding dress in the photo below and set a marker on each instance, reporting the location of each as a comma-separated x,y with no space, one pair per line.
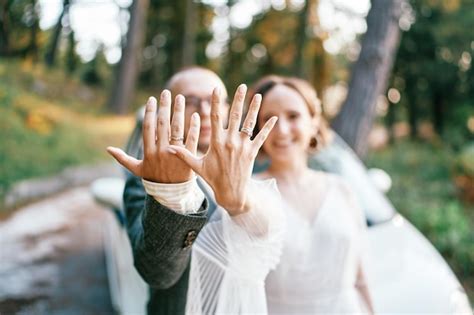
272,260
318,267
232,256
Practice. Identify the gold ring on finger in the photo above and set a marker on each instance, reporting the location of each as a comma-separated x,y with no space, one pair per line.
247,131
177,139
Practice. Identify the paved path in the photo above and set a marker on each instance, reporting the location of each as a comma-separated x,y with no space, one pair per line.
52,258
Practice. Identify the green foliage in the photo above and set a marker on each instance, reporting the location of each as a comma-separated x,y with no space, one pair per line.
95,71
433,69
18,23
464,161
46,127
32,145
271,45
165,32
423,191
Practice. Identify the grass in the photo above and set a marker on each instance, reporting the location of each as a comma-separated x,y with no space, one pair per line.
50,121
423,190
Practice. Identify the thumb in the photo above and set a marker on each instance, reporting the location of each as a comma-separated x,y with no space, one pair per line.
130,163
187,157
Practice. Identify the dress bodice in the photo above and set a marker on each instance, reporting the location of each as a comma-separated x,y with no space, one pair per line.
318,267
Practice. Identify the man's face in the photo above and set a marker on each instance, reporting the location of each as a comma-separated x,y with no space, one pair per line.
196,86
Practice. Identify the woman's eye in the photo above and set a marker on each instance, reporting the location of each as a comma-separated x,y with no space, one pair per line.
293,116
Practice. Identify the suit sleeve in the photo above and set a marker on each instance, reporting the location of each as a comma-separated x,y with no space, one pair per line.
160,237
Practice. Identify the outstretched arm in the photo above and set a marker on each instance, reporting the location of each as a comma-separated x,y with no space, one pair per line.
160,237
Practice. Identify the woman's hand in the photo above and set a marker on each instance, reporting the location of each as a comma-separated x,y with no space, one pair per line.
158,164
227,165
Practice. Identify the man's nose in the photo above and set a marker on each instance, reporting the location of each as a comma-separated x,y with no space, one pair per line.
205,109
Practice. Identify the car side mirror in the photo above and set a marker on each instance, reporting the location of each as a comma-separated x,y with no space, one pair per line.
108,191
380,179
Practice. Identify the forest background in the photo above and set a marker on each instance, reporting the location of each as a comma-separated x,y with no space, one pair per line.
396,80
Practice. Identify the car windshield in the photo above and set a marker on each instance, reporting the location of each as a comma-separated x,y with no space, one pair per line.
339,158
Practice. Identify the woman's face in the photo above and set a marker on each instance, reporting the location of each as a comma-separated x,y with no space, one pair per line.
291,135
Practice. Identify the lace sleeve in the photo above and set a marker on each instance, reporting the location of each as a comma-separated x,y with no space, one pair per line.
233,255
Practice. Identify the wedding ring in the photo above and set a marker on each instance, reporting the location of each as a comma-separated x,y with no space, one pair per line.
177,139
247,131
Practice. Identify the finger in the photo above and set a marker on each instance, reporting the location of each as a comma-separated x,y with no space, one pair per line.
177,122
163,133
216,116
251,118
187,157
235,114
130,163
192,139
149,127
264,132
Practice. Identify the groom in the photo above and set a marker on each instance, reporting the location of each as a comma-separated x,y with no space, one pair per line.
167,209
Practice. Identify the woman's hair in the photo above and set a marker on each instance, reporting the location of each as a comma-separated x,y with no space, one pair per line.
305,90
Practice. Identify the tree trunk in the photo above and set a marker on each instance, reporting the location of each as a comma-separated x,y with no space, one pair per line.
189,38
50,57
412,112
370,74
390,122
33,46
438,113
71,58
124,86
301,37
5,27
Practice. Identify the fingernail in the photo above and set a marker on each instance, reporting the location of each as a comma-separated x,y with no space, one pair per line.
152,100
242,88
258,97
165,94
171,150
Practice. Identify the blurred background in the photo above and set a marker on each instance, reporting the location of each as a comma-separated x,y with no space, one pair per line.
395,77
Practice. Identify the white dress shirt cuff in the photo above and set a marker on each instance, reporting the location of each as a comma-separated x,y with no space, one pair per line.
183,198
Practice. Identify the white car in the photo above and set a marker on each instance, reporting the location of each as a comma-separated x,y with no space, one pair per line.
406,273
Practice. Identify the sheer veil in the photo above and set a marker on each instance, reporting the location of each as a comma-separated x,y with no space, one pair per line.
233,255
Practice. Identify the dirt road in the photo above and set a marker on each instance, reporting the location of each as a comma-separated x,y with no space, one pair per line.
52,259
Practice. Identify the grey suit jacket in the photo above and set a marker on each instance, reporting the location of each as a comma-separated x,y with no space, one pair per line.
161,241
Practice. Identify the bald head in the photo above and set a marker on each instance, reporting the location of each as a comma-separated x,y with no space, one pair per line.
196,85
195,78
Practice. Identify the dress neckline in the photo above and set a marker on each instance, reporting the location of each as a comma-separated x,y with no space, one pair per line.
311,223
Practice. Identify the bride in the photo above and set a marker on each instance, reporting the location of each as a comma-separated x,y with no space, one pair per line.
321,269
318,264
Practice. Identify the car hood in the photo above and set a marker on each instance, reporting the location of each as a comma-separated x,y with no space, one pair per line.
408,275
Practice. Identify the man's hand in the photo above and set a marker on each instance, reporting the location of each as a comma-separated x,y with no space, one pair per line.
227,165
158,164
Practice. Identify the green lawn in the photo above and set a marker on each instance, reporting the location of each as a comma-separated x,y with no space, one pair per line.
49,122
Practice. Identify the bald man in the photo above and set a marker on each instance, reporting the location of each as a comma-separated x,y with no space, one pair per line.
161,223
166,205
